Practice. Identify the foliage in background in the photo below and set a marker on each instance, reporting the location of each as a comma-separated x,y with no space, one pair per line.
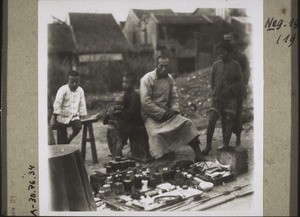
58,67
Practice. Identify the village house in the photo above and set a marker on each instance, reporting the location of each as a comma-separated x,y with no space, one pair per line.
99,50
180,35
135,27
61,56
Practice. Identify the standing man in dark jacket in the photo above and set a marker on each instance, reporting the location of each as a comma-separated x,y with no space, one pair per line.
227,84
239,56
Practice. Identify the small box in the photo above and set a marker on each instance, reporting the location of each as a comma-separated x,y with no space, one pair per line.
225,179
237,158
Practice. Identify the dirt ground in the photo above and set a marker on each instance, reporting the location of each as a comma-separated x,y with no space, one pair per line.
194,93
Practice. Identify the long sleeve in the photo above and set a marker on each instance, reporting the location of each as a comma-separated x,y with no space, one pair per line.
134,107
146,100
173,99
212,77
246,71
57,105
236,87
82,105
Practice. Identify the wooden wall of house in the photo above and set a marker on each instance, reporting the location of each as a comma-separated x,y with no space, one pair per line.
132,29
152,33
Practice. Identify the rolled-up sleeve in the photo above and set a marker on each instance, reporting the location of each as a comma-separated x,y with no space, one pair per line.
146,100
82,105
57,105
173,100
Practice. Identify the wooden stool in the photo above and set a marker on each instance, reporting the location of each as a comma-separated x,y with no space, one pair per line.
60,140
88,126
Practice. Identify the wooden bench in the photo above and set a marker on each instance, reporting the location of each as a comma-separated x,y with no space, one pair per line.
87,129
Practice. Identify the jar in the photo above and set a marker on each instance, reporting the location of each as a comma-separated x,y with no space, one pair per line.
101,193
119,188
130,173
127,184
108,169
178,174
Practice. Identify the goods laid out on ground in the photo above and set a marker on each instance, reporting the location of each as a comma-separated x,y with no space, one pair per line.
126,185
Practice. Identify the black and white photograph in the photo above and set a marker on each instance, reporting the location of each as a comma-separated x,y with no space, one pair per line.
150,107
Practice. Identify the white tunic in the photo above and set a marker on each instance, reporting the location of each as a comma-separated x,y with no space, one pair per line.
158,96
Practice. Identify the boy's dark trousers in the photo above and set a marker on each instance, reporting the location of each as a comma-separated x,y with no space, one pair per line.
62,133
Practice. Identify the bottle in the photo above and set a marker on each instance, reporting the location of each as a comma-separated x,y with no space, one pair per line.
107,190
146,174
178,174
102,193
109,181
144,185
158,177
119,188
138,181
165,174
127,184
130,173
118,177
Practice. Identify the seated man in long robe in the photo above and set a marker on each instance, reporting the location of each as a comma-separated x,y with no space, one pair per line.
167,129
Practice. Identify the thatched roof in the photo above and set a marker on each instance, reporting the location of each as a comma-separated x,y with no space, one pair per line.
140,12
97,33
60,38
